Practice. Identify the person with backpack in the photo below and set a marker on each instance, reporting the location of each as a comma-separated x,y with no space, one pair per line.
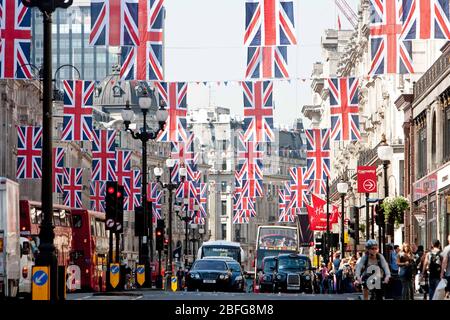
372,258
432,266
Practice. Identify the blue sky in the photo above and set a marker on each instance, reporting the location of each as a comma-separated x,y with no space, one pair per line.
204,42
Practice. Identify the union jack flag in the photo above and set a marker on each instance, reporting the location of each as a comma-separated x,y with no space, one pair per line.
269,23
202,194
389,54
317,159
266,63
58,169
29,152
184,156
78,101
133,190
104,155
250,156
344,109
154,195
73,187
281,205
187,190
144,62
174,96
426,19
258,111
123,166
114,23
298,188
245,208
15,40
97,190
197,219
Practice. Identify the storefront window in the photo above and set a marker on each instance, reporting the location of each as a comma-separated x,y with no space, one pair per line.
432,221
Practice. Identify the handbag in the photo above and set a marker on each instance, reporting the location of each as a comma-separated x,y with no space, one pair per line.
439,293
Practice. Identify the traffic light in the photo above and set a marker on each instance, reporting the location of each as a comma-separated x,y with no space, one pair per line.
111,204
119,209
139,222
379,215
159,238
319,246
351,229
166,246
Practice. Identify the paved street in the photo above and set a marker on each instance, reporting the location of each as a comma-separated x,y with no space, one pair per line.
166,295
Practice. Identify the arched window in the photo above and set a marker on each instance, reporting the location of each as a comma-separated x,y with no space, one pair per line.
433,141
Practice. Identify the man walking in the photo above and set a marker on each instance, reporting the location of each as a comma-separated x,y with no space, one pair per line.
432,265
445,268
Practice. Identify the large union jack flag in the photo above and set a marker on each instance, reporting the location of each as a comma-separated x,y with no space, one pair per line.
104,155
78,101
123,165
58,169
258,111
426,19
15,40
282,216
269,23
73,187
250,155
173,95
133,191
344,110
389,53
154,195
299,189
114,23
144,62
202,195
317,159
266,63
29,152
97,190
185,157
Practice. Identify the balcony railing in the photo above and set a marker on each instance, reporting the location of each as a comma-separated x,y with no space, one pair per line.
432,75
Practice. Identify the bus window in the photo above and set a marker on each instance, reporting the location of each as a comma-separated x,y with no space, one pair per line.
63,218
68,219
33,214
39,216
77,221
56,219
93,226
98,228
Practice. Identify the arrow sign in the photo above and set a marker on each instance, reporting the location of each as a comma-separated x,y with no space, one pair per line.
140,270
110,223
367,179
40,278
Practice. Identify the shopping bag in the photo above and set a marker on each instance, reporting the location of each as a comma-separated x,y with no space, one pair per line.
439,294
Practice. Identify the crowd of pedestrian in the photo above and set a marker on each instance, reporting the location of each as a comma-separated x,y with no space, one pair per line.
403,271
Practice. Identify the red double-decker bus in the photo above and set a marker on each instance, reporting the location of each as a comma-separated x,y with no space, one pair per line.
31,219
90,248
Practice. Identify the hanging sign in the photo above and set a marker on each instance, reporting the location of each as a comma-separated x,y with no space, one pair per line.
367,179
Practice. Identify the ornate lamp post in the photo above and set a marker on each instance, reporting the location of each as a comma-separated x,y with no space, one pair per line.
186,218
385,153
47,256
146,100
342,188
170,163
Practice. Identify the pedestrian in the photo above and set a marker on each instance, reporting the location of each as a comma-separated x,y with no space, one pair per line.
337,272
445,268
406,262
180,276
324,273
431,267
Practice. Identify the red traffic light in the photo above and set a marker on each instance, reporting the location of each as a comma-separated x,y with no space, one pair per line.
158,233
166,241
111,190
119,194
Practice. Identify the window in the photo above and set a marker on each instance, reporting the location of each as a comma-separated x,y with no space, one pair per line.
422,152
77,221
224,186
56,219
224,231
223,212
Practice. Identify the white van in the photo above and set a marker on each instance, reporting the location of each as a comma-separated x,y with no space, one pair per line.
26,266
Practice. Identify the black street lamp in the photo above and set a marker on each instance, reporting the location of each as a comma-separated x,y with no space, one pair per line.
385,153
186,218
146,100
170,163
342,188
47,255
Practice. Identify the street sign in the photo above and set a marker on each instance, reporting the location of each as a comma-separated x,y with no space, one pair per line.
174,283
114,274
140,271
367,179
40,289
110,223
74,277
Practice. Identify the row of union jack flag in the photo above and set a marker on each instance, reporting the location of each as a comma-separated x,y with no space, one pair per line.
137,26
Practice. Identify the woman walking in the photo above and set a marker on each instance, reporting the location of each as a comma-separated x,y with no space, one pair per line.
405,261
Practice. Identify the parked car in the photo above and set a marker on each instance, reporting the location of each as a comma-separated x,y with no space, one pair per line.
265,278
210,274
294,272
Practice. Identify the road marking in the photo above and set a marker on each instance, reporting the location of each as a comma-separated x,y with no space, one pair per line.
140,297
84,298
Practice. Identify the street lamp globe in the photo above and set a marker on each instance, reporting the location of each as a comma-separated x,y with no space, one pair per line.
127,114
145,103
183,172
342,187
385,153
162,114
170,163
158,171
